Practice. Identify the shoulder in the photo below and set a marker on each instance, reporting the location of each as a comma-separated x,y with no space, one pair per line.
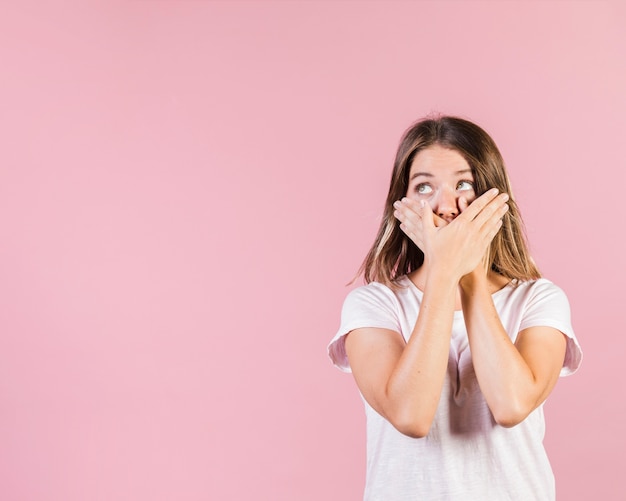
374,291
376,294
543,303
547,305
536,292
534,303
373,305
542,286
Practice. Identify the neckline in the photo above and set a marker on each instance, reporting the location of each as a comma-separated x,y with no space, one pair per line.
494,294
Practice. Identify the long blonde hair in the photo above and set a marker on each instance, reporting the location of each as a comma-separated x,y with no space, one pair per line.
393,254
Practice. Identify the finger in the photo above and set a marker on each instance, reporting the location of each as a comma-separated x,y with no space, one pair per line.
406,208
413,231
427,215
490,229
400,210
463,204
403,213
413,236
494,211
415,227
479,204
417,208
410,222
411,204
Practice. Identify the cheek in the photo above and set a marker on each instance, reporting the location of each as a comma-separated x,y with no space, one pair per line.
413,194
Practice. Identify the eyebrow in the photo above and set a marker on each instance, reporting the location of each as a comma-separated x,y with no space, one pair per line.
428,174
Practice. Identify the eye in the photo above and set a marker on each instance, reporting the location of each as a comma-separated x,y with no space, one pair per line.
465,186
424,189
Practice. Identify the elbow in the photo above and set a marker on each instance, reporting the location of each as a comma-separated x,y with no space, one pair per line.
508,421
412,430
412,426
510,416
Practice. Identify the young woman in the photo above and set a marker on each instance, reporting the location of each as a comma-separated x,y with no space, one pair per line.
455,342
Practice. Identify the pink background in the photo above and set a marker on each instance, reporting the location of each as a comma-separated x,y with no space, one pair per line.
186,188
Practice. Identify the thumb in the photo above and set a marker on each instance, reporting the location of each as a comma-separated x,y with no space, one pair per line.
426,215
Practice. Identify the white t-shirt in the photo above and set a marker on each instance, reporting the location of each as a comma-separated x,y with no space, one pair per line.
466,456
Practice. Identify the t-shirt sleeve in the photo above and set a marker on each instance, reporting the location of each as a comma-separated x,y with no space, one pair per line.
548,306
372,305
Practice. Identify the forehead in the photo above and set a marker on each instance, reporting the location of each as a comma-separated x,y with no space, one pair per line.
437,160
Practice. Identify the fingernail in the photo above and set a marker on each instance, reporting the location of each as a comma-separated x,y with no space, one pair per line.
493,191
505,196
397,204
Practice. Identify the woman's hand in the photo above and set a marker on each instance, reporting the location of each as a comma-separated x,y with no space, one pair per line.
460,245
410,214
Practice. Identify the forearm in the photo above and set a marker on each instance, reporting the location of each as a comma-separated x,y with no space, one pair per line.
504,377
414,387
451,250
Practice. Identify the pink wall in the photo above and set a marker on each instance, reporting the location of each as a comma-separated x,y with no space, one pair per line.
186,187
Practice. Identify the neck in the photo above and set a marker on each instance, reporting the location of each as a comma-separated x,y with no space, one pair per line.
493,281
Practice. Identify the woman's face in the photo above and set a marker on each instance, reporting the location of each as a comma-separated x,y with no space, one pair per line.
441,177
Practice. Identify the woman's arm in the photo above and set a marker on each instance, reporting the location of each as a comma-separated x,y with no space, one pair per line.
514,378
403,382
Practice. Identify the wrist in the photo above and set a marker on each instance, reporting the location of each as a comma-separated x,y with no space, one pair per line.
473,280
442,277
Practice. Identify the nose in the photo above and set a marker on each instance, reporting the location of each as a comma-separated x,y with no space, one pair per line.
446,205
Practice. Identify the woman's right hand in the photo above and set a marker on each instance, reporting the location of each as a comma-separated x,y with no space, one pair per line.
409,213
